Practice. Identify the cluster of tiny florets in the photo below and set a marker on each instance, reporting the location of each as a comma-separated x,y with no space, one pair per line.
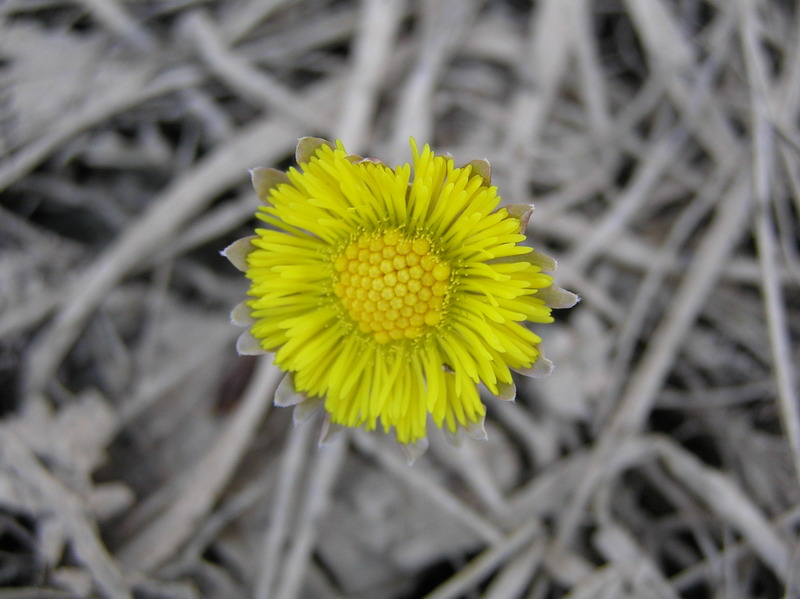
392,286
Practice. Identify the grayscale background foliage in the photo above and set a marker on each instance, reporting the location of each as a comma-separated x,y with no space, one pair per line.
660,141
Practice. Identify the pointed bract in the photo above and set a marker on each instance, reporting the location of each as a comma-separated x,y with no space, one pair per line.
473,430
237,252
523,213
542,260
304,411
286,395
241,315
414,451
540,368
329,431
247,345
483,169
556,297
308,146
454,438
477,430
265,179
506,391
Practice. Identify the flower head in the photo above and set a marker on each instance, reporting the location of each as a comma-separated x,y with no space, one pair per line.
388,294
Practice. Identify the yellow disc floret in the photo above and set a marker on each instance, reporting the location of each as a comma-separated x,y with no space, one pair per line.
394,287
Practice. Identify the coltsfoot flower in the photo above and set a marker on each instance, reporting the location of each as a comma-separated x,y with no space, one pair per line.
390,294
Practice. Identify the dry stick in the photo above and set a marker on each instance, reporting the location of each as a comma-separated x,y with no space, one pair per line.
149,390
380,21
763,160
785,107
593,79
538,440
616,544
94,112
784,220
250,83
234,506
22,315
416,479
788,97
638,254
69,511
660,35
35,593
729,503
709,128
742,322
444,24
645,382
294,456
615,220
321,478
476,472
71,196
306,42
146,357
664,259
551,487
794,185
694,574
602,583
247,16
516,576
717,398
687,513
569,195
624,207
212,225
635,109
670,56
166,215
216,123
159,540
469,462
540,70
647,292
27,314
482,565
109,13
568,569
722,496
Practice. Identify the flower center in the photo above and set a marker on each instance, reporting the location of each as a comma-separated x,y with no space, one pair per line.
392,286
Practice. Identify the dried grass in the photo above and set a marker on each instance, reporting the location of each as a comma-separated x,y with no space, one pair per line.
660,142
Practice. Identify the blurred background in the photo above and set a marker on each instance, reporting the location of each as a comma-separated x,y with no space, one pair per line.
141,457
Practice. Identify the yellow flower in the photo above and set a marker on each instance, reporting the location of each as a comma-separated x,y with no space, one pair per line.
387,296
